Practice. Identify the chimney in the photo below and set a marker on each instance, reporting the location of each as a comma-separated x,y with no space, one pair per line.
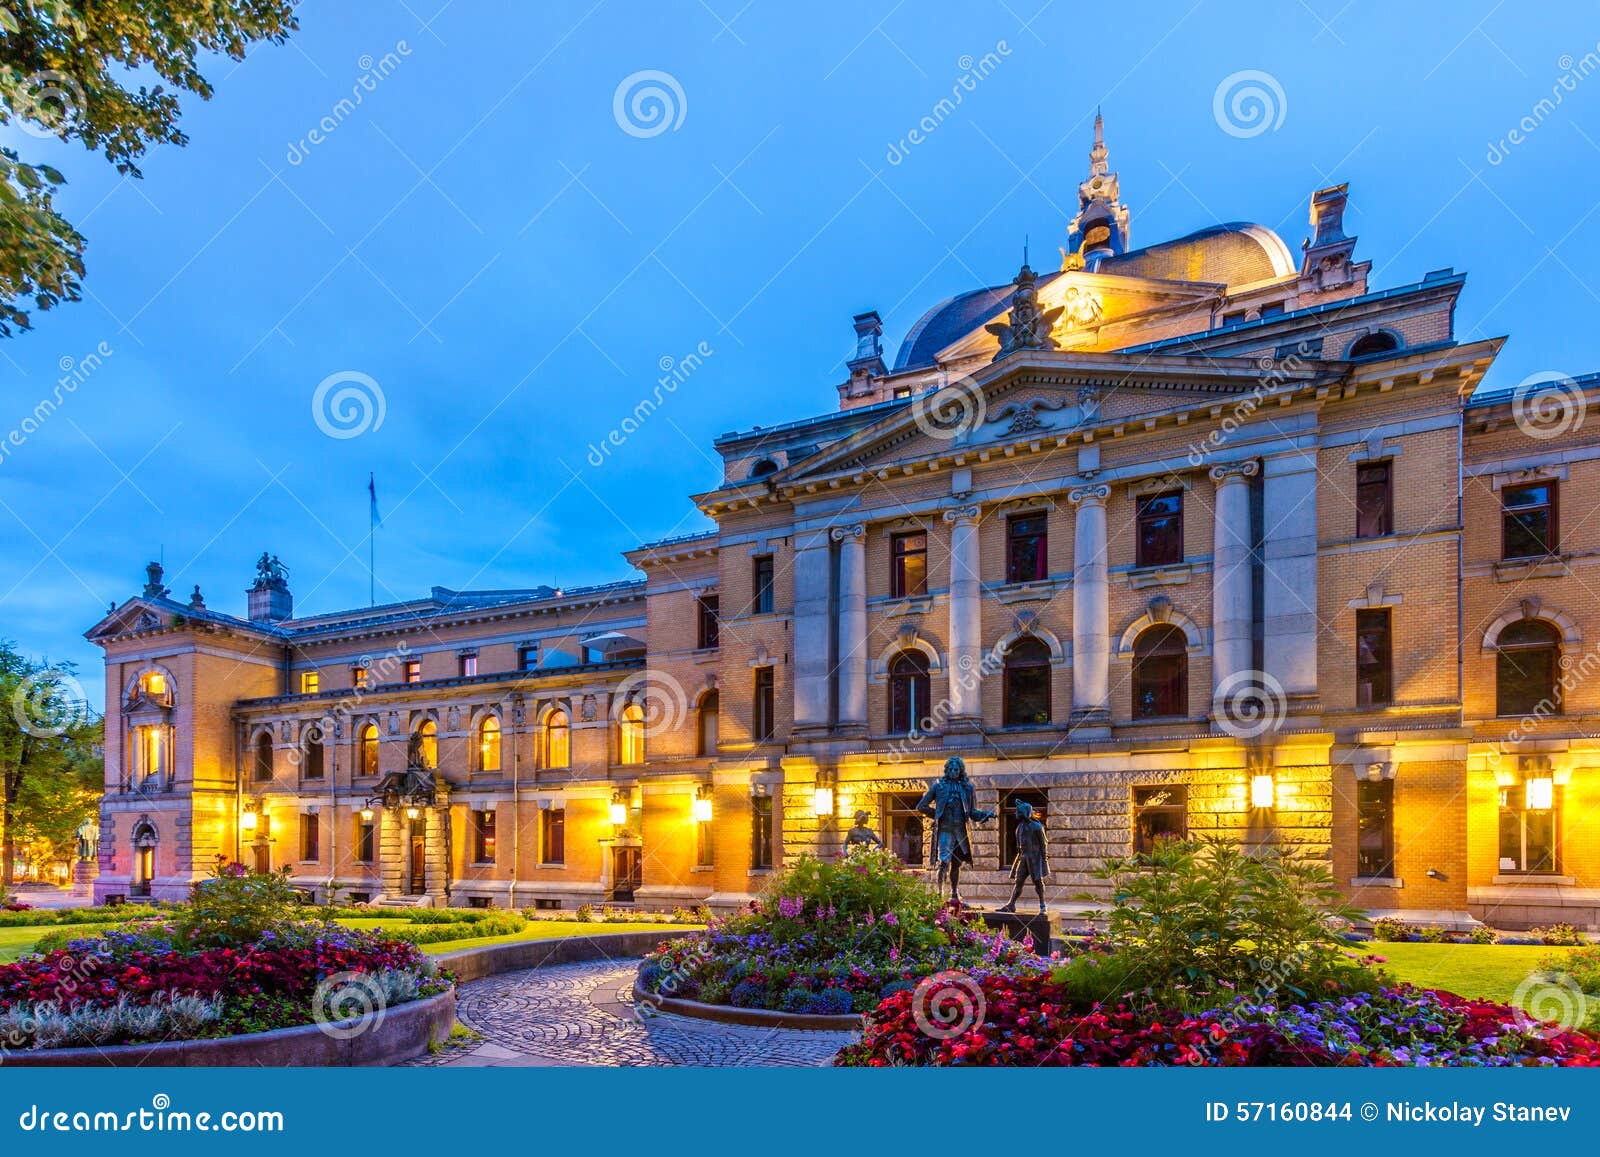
269,600
153,588
868,360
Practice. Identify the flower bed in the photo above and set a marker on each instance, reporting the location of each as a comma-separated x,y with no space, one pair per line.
1031,1020
830,938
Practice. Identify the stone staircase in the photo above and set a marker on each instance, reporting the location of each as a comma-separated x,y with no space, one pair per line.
403,902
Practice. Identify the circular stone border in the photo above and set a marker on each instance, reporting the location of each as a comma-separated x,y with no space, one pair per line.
760,1017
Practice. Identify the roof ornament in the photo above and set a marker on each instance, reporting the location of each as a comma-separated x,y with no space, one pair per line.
153,587
271,574
1026,327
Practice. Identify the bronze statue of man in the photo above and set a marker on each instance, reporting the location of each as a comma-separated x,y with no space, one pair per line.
861,836
951,802
1031,863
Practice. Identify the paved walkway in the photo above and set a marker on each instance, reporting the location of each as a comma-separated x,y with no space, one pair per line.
583,1014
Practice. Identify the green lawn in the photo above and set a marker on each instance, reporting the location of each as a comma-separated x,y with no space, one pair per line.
1491,971
17,942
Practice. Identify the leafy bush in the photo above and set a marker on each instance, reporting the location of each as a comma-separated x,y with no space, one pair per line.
1583,966
485,924
39,917
230,910
1560,935
1195,918
51,1025
1482,934
1389,929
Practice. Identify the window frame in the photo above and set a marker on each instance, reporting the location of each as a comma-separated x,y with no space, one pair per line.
310,682
763,584
905,715
553,835
1176,692
1040,668
762,831
263,744
897,811
467,666
710,708
1038,540
1513,516
1145,517
412,672
485,822
368,751
630,735
908,566
315,768
1383,516
366,840
1512,804
360,676
310,837
708,623
556,722
1375,803
481,743
1378,672
1178,806
764,705
1038,797
1506,653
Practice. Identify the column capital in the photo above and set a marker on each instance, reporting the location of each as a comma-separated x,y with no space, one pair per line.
959,514
840,533
1235,472
1095,494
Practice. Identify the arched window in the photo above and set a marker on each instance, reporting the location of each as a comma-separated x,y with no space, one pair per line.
369,749
1526,669
1027,683
630,734
763,467
427,743
487,747
263,757
706,736
312,764
557,739
1373,344
909,688
1160,673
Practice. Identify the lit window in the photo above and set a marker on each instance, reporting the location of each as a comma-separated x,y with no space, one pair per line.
153,684
369,750
428,743
310,682
413,670
908,556
358,676
557,740
630,735
1529,833
488,744
483,826
1159,813
903,827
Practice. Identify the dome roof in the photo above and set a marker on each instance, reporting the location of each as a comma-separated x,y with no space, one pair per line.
1235,253
953,319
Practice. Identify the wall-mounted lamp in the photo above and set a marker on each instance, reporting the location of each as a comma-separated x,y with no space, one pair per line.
619,808
1262,793
822,797
248,820
412,813
1539,793
366,815
700,810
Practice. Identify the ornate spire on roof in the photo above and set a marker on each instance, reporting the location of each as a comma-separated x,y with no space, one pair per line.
1101,227
1097,155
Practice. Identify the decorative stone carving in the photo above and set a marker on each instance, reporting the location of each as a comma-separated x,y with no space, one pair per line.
1026,327
1160,609
841,533
1094,493
588,708
1235,472
394,723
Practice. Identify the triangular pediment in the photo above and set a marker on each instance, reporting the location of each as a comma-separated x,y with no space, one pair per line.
1038,394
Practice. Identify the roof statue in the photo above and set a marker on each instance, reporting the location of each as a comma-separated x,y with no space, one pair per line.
1026,327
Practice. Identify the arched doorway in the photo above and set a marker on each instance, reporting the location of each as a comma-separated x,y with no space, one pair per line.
144,858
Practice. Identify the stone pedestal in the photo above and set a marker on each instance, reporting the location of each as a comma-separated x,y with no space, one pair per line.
84,874
1023,922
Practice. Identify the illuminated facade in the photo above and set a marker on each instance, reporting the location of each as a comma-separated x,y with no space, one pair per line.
1199,537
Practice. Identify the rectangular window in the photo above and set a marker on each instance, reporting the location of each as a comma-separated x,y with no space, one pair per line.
1159,813
903,827
1272,309
763,722
707,607
1026,538
1009,800
1374,661
1375,829
553,836
310,836
358,676
413,670
1160,530
761,831
762,598
704,847
528,657
310,682
366,841
1528,520
908,556
1374,499
483,825
1528,835
469,665
1233,318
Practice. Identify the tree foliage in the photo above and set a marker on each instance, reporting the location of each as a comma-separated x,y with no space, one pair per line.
71,70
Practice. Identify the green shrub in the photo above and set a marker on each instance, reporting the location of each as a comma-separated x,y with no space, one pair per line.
1390,929
1560,935
1196,918
1482,934
487,923
228,911
42,917
871,880
1434,934
1583,966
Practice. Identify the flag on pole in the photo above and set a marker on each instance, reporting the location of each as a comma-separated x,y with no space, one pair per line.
372,492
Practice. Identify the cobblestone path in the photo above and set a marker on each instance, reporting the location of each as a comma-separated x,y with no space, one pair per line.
583,1014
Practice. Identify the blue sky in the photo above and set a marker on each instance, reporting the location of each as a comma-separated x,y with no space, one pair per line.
482,238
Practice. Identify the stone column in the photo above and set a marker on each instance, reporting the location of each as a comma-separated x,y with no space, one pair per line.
436,853
1091,606
1289,592
394,845
812,653
852,645
1232,587
966,620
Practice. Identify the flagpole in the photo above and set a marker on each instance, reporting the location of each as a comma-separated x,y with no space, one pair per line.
372,542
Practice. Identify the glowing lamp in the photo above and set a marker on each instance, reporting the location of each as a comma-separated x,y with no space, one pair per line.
411,813
702,810
822,801
247,821
619,812
366,814
1261,791
1539,793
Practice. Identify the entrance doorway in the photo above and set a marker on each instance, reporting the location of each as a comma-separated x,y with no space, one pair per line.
417,883
144,870
627,874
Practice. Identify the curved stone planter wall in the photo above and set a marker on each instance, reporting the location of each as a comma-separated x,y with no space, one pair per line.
761,1017
405,1032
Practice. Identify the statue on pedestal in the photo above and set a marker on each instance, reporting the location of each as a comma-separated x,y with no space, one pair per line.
88,834
1030,863
951,802
861,836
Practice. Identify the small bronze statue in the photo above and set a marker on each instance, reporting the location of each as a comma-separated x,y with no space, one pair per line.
861,836
951,802
1030,863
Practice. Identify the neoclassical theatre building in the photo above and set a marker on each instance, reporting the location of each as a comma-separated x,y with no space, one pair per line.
1204,536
